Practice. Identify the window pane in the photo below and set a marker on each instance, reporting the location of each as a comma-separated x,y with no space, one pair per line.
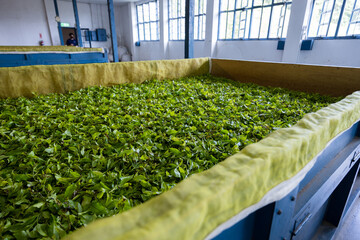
173,8
315,18
243,3
231,5
223,5
203,26
267,2
275,18
203,6
196,7
141,32
286,22
265,20
196,27
257,3
172,30
182,28
147,31
280,1
237,25
230,23
222,25
255,23
182,8
146,12
248,16
357,29
343,29
140,14
153,12
335,18
242,23
153,31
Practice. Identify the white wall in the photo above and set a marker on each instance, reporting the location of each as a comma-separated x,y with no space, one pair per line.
91,16
324,52
344,52
21,22
148,51
257,50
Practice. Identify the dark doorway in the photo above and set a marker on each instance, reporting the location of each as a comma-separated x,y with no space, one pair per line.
66,31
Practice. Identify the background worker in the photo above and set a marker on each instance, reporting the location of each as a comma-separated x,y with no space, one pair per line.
71,41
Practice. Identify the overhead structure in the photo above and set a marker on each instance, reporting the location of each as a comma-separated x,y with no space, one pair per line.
110,4
189,28
57,18
77,21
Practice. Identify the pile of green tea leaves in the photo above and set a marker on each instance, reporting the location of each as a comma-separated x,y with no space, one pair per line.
67,159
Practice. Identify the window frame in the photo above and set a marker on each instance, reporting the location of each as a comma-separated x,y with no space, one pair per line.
198,15
157,21
177,18
356,36
272,5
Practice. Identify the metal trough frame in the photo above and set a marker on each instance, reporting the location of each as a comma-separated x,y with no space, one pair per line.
25,59
317,206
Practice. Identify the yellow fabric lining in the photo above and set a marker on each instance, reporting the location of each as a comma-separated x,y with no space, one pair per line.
26,80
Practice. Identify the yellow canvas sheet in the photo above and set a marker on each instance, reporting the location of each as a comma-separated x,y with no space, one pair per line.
47,49
26,80
199,204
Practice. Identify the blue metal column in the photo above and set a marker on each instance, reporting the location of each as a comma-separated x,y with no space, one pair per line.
58,23
189,28
113,30
78,29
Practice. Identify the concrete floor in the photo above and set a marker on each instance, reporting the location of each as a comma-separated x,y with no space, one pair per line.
350,228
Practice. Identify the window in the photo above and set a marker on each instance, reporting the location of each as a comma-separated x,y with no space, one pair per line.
253,19
177,19
335,18
199,19
148,21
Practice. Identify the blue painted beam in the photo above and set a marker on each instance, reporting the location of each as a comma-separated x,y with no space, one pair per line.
58,23
113,30
78,29
189,28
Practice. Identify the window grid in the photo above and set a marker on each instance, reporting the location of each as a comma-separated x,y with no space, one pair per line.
145,31
177,20
342,20
280,28
242,27
355,21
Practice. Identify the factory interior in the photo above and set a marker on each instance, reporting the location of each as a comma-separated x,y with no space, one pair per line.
180,119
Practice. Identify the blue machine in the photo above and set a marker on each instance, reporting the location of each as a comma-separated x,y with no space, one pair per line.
317,206
25,59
